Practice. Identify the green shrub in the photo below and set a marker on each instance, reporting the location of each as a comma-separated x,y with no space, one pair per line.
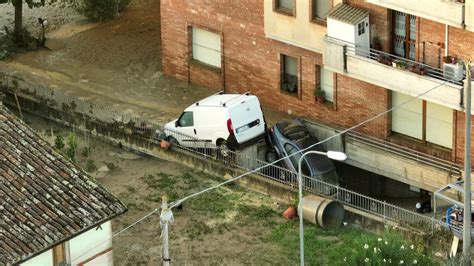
12,43
102,10
86,151
59,143
90,166
72,146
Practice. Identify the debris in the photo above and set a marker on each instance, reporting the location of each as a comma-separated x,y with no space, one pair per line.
290,213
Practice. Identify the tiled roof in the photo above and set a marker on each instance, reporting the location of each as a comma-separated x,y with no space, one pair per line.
44,198
347,13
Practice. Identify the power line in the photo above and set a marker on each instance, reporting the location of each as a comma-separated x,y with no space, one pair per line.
118,233
178,202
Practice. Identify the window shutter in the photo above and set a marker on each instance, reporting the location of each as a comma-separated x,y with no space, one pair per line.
439,125
207,47
408,119
327,83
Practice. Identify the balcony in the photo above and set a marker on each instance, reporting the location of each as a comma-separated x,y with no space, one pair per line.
443,11
392,72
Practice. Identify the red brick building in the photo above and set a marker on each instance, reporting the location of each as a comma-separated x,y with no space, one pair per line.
366,55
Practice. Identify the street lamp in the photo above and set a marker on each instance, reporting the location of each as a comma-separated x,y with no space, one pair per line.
335,155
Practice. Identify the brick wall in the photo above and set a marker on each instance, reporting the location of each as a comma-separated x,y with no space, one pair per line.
251,62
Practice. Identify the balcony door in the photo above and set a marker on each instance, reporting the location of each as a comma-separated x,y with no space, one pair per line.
404,35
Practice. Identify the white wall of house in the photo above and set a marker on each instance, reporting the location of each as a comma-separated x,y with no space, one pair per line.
83,249
45,259
340,30
298,31
80,246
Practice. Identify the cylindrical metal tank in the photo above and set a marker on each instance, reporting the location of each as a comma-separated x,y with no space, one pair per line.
322,211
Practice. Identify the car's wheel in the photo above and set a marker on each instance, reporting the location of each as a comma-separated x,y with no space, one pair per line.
172,140
224,148
271,155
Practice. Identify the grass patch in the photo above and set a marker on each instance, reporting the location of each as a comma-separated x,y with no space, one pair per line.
216,202
348,246
257,214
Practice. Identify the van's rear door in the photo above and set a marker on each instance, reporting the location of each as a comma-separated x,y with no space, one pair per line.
247,119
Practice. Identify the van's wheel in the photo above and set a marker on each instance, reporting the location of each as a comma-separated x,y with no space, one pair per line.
224,148
172,140
271,155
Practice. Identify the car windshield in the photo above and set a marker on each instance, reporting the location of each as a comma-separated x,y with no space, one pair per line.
331,178
319,164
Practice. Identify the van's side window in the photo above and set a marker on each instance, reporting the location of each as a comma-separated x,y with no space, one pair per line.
186,119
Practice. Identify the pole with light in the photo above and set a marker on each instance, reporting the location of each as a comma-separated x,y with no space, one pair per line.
467,172
335,155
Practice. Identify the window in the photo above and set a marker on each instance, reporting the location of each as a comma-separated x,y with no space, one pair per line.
404,35
320,9
422,120
327,83
361,28
206,47
285,6
186,120
289,74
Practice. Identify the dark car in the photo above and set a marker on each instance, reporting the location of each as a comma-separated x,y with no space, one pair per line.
291,137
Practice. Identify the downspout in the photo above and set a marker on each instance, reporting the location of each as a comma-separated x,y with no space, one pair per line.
446,40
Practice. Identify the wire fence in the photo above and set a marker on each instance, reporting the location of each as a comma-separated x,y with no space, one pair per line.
105,121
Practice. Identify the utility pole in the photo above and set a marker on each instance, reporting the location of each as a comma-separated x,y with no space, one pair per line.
166,217
467,173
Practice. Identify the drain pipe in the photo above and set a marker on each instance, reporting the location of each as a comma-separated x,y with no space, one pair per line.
446,40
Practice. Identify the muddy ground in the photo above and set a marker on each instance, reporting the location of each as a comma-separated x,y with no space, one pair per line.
228,226
115,63
118,63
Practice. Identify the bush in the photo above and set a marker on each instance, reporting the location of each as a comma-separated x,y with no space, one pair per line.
11,42
72,146
102,10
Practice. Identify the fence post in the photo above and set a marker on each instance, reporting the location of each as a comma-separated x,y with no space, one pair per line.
384,211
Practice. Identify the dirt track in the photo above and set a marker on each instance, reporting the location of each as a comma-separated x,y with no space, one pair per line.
118,63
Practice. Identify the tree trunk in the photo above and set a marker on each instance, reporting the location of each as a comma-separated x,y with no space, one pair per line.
18,16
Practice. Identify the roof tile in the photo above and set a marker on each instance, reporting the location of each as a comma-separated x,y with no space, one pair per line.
44,198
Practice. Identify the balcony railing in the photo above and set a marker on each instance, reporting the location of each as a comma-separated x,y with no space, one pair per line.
402,63
452,168
408,77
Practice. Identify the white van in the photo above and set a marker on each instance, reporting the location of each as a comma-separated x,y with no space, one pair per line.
226,120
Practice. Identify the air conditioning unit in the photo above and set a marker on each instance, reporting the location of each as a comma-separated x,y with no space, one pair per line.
453,72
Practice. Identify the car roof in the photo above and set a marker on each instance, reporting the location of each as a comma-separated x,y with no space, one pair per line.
223,100
318,163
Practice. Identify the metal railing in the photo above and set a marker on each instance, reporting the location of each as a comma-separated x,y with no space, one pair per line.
115,124
400,62
438,163
350,198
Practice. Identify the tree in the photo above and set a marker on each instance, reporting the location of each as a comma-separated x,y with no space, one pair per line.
18,4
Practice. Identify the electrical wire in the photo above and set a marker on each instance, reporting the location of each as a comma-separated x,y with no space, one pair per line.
179,202
116,234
